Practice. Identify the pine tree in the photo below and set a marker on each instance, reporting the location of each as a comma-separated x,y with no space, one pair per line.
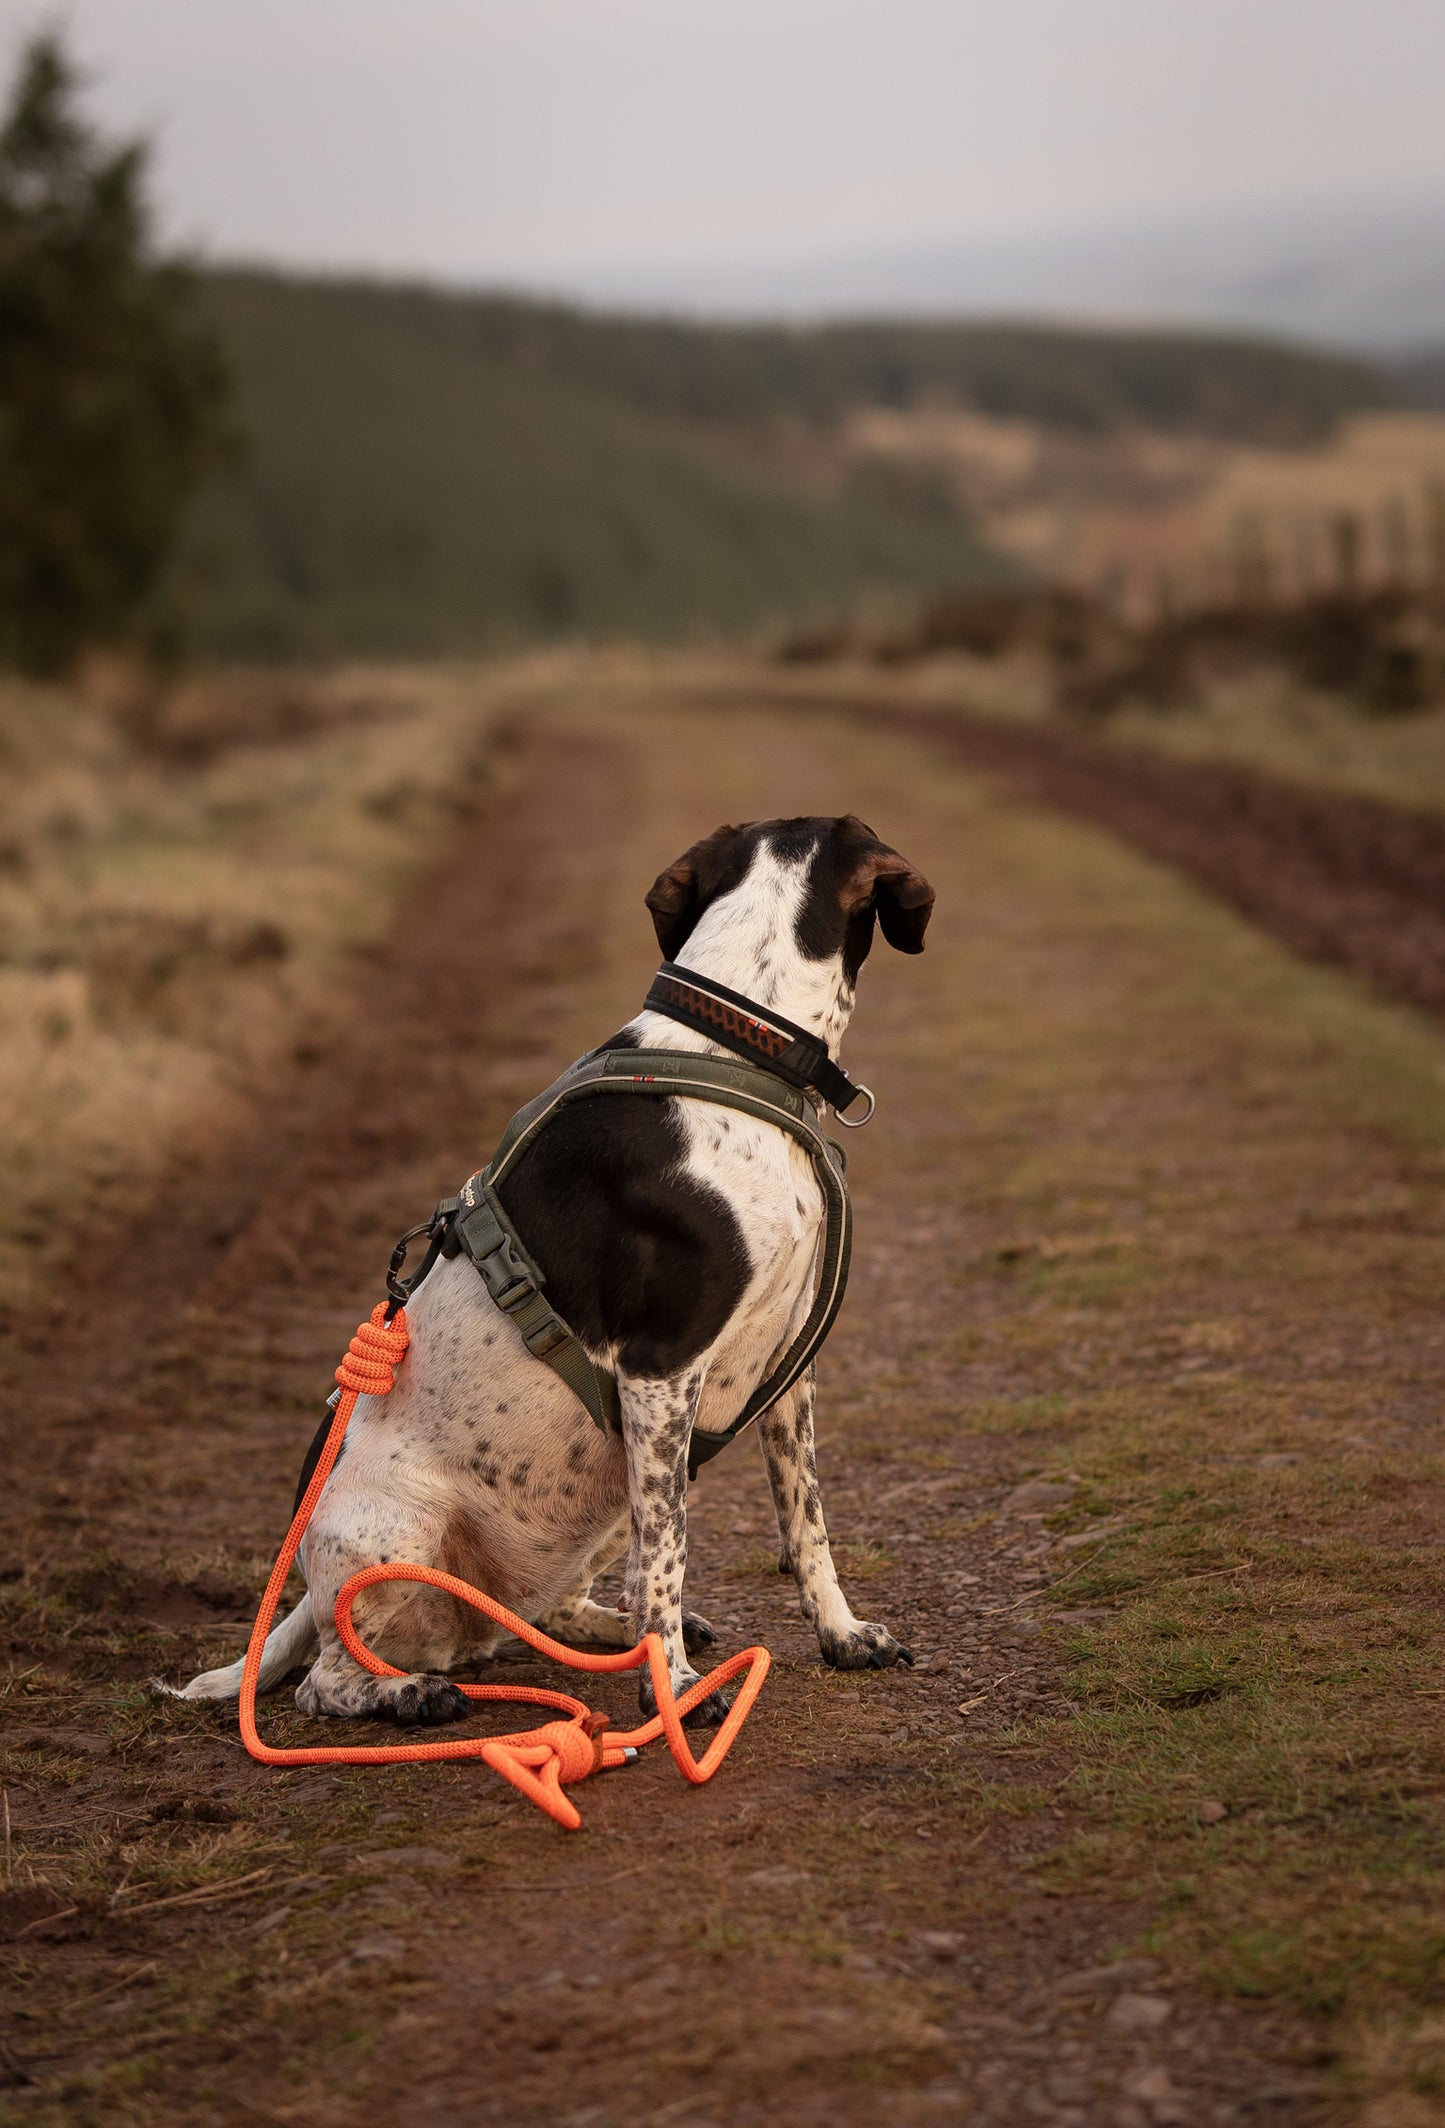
113,389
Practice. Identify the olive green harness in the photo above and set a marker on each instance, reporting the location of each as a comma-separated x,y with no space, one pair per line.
474,1223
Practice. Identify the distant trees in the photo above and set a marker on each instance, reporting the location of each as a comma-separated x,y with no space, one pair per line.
114,393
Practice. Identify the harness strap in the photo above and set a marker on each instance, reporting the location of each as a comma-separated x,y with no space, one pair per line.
481,1228
476,1222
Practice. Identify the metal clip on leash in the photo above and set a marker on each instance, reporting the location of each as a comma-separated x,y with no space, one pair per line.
399,1290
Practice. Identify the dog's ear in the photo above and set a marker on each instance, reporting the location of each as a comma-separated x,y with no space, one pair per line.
902,897
676,896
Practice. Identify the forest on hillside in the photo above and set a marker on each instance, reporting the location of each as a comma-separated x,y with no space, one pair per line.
432,472
1207,383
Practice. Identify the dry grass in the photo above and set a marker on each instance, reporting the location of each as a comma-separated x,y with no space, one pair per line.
1266,720
1164,523
182,880
1132,507
1258,718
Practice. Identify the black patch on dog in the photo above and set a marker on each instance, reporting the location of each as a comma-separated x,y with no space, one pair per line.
635,1252
855,878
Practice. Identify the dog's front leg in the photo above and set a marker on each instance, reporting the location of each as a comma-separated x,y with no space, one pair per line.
657,1418
786,1433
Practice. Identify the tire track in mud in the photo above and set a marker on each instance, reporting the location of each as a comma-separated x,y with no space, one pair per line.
1346,880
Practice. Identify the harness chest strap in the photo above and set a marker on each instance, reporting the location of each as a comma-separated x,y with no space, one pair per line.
476,1222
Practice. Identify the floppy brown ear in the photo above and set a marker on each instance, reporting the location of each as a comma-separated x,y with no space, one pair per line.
904,901
674,897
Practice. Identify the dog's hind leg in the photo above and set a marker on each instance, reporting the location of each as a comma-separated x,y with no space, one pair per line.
575,1618
582,1623
336,1684
786,1434
417,1628
697,1634
585,1624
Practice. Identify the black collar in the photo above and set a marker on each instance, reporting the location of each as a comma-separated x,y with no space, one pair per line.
763,1037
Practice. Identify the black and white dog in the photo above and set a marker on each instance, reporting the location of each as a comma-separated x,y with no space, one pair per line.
678,1241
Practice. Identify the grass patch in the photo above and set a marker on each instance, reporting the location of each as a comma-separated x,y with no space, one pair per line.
1284,1686
183,874
862,1558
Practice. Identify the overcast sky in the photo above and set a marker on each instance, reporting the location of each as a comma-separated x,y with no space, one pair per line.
560,142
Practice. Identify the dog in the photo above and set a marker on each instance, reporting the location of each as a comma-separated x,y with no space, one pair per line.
678,1240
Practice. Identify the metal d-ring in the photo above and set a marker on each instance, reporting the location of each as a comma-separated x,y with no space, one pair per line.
859,1122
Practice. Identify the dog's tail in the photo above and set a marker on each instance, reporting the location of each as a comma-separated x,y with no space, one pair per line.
286,1645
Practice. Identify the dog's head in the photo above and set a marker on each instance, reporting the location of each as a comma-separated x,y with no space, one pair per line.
849,879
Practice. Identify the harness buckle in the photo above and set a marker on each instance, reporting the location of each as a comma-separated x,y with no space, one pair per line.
505,1274
506,1277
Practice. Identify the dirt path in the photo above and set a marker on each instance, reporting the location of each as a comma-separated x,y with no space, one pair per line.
1341,879
1080,1165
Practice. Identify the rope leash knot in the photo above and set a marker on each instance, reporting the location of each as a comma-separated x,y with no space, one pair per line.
538,1762
555,1755
374,1354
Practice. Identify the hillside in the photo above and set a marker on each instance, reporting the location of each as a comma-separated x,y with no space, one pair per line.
1419,378
431,473
409,489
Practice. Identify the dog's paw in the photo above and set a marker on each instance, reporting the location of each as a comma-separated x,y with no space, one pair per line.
867,1647
427,1700
706,1715
709,1712
697,1634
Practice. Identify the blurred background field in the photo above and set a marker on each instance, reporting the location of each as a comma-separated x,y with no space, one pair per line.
1215,546
435,472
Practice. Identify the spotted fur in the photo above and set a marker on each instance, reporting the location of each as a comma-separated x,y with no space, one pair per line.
681,1246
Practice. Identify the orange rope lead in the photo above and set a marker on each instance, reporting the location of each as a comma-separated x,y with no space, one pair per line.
539,1762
